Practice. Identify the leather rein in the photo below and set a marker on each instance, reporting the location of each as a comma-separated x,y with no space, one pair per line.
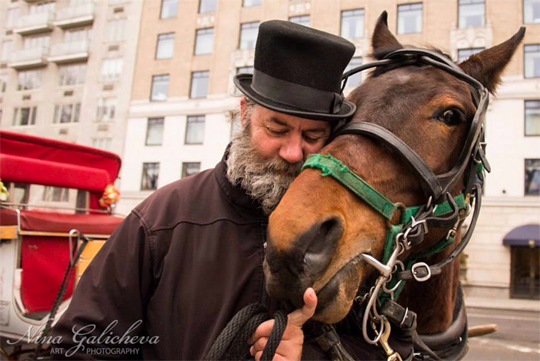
442,209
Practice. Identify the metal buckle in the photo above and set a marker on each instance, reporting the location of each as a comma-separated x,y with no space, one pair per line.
418,278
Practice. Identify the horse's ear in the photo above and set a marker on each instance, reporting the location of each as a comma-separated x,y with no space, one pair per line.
383,41
488,65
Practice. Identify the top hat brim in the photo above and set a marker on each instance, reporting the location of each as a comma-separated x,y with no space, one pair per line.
243,83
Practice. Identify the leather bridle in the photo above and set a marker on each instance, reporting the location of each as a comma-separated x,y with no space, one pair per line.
442,209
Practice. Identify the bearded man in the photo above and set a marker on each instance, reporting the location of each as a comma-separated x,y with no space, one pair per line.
189,257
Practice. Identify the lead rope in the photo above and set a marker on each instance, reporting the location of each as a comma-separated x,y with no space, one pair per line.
232,343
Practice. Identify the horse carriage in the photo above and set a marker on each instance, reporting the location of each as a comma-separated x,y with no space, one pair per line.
56,206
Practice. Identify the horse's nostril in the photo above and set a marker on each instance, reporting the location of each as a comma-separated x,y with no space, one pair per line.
320,242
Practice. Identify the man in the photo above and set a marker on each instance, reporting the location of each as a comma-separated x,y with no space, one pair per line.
188,258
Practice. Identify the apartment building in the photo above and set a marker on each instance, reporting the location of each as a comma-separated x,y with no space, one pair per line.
181,112
66,68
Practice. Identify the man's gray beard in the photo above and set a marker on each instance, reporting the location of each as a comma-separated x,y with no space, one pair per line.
265,180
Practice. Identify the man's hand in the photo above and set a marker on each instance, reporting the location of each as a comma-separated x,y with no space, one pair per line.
290,347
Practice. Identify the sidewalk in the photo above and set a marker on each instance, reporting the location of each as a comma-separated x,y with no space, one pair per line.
503,304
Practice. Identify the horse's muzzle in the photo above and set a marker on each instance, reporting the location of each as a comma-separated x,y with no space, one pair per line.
292,268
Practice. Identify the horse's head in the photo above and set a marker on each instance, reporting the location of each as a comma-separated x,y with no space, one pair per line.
320,229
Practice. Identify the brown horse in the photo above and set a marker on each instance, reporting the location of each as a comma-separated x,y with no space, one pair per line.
320,229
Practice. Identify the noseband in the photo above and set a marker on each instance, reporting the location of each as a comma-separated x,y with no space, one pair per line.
442,209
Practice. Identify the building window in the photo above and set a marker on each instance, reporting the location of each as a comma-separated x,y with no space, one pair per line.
24,116
102,143
3,83
12,15
67,113
77,35
249,3
45,7
165,46
190,168
199,84
55,194
525,272
464,54
195,129
204,41
154,131
532,117
72,74
471,13
169,9
160,87
301,20
207,6
354,80
532,61
150,176
6,50
352,23
105,109
244,70
36,42
531,11
248,35
111,69
410,18
532,177
30,79
116,30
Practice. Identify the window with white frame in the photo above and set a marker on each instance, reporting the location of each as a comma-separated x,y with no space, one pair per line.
67,113
199,84
102,143
410,18
6,50
116,30
41,8
160,87
29,80
204,41
207,6
532,177
24,116
245,70
354,80
169,9
464,54
3,82
532,117
531,11
106,109
11,18
249,3
165,46
472,13
301,20
34,42
532,60
73,74
195,129
248,35
154,131
352,23
75,35
111,69
190,168
150,175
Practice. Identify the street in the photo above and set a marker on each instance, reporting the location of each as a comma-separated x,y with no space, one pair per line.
517,339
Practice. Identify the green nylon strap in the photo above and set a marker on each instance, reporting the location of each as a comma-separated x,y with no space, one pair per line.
334,167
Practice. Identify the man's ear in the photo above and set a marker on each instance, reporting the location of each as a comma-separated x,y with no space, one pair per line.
243,111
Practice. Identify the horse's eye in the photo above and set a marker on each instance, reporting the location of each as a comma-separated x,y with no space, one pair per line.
451,117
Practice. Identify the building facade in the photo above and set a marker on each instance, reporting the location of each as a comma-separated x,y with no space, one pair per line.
181,113
66,68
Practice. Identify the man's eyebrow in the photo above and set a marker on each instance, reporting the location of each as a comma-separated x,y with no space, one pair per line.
321,130
279,122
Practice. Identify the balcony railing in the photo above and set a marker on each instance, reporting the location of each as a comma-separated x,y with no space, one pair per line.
33,24
71,51
75,16
29,58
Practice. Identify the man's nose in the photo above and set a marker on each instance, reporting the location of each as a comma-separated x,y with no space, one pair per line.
291,150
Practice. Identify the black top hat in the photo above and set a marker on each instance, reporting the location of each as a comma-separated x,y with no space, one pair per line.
298,71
